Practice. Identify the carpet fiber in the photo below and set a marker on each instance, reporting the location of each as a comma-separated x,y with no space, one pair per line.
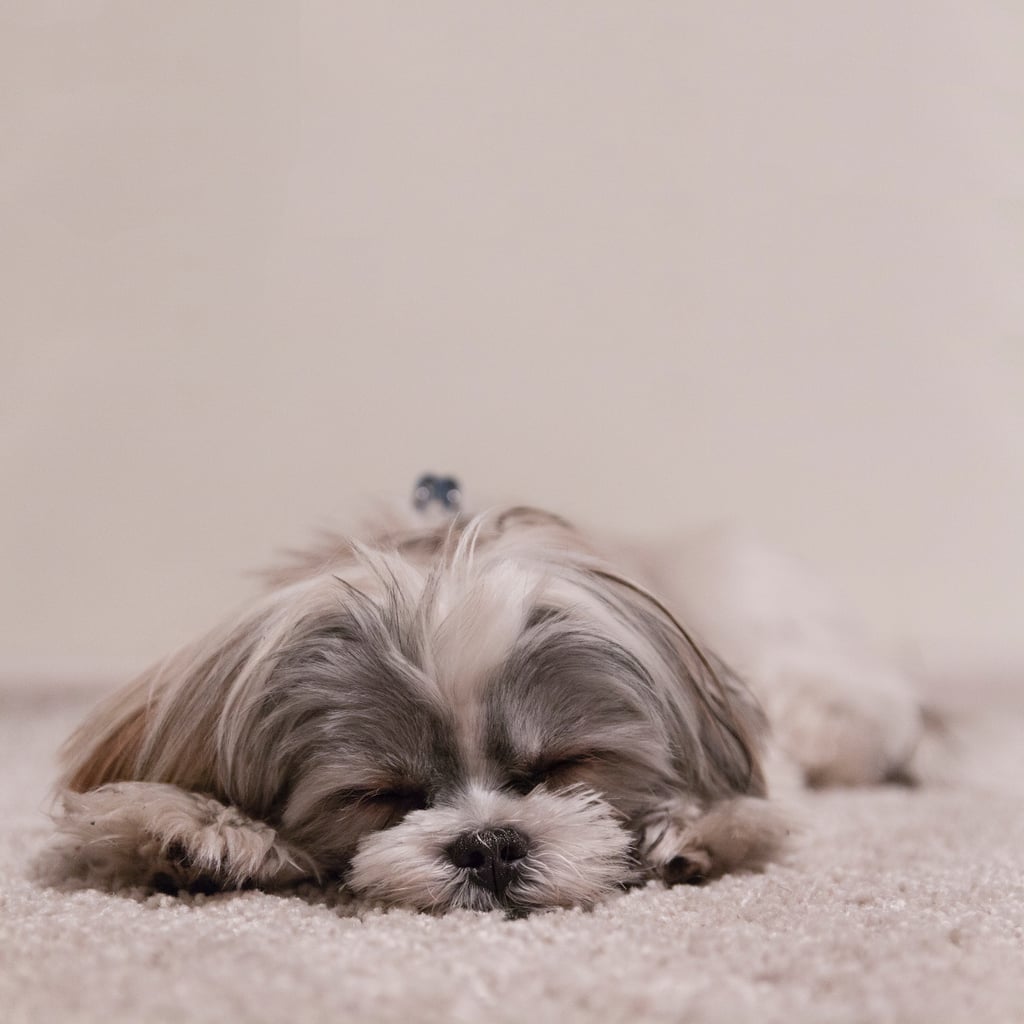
895,905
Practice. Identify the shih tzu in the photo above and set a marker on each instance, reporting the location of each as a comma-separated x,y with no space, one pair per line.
484,712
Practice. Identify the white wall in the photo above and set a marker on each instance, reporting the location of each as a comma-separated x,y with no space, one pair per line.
648,263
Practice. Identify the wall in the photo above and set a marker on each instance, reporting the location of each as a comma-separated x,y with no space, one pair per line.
651,264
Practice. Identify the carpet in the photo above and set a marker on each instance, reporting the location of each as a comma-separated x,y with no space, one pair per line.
895,904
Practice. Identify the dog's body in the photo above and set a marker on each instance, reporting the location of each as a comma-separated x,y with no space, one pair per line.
489,712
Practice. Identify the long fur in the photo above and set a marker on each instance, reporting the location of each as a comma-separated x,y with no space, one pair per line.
390,695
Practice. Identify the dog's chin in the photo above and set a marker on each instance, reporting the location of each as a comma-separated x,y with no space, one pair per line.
577,851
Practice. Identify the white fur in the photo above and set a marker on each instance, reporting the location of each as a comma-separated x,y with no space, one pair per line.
579,852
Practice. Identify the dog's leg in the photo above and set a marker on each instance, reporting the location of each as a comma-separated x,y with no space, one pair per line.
840,710
683,844
155,835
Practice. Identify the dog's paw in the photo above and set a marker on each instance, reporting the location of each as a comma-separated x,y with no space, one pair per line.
843,724
685,845
160,836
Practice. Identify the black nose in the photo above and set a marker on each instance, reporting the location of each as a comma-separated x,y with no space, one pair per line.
491,856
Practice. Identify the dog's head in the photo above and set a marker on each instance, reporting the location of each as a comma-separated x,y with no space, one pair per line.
477,716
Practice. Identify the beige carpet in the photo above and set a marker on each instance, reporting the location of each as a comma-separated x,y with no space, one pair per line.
897,905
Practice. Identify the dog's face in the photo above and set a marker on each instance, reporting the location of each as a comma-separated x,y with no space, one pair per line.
486,719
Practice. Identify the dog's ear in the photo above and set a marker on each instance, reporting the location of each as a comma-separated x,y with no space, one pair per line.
716,715
106,747
191,721
163,727
733,724
148,730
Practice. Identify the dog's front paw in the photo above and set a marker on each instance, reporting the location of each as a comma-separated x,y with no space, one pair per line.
683,844
219,848
163,837
690,869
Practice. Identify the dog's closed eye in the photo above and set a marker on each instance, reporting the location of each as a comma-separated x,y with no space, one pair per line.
396,800
558,772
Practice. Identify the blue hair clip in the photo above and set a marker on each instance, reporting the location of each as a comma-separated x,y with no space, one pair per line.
444,490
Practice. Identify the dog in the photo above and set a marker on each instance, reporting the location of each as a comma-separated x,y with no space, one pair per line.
489,712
